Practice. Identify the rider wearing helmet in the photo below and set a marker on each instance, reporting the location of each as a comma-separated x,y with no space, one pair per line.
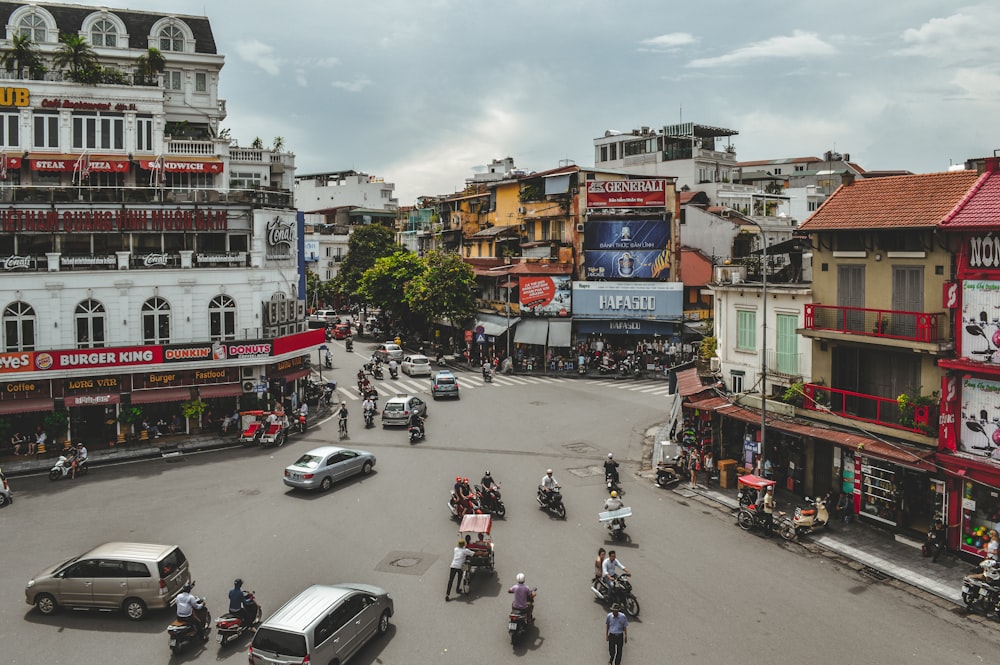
188,605
523,595
487,482
237,600
548,483
611,468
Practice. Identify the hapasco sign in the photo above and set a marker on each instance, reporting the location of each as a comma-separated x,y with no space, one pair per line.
644,193
604,300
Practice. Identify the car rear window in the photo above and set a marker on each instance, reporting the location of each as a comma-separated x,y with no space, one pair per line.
420,361
171,563
280,642
394,406
445,380
308,461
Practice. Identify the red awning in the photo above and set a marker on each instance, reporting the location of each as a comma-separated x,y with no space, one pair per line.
184,164
95,163
27,405
161,395
291,376
219,390
93,400
710,404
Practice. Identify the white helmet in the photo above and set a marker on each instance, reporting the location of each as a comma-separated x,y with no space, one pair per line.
611,455
520,578
548,471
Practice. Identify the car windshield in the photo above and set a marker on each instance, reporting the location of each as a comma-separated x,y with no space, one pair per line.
308,461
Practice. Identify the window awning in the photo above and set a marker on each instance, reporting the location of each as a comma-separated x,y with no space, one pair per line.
161,395
532,331
291,376
184,164
219,390
27,405
66,162
494,231
560,333
494,324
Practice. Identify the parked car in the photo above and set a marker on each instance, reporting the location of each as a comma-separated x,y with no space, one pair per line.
389,351
133,577
341,331
330,316
322,624
444,384
6,496
397,409
416,365
320,468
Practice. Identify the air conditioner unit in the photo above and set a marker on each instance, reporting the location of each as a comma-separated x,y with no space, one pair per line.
715,364
249,386
521,211
273,315
300,310
579,227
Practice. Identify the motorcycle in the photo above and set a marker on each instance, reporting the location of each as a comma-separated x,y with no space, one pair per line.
393,372
487,375
490,501
803,522
369,418
301,424
377,372
666,475
620,593
231,626
416,434
328,360
182,634
982,592
64,468
552,501
612,483
472,507
349,345
615,520
518,622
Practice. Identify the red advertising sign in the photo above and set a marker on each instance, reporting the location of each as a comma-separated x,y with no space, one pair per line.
645,193
181,167
86,358
536,291
949,296
94,164
18,361
948,418
309,339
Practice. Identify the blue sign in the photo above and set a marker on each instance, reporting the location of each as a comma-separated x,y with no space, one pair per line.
626,235
641,264
480,338
618,301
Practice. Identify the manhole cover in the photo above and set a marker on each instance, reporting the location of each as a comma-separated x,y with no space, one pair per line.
406,563
587,471
580,447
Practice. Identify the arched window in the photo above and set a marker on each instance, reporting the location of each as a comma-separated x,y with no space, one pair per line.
222,318
156,321
32,26
171,38
19,327
104,33
90,324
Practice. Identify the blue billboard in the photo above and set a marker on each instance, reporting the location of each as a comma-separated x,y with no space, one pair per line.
620,302
636,264
626,234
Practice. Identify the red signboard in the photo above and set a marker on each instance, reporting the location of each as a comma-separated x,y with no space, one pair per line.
110,357
536,291
206,166
18,361
99,164
949,296
646,193
299,341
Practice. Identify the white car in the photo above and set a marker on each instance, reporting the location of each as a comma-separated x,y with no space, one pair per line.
389,351
416,365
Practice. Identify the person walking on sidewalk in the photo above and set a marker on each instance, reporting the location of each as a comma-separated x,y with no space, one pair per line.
694,464
937,539
457,562
616,634
708,465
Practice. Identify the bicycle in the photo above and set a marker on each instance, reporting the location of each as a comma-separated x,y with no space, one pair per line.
343,427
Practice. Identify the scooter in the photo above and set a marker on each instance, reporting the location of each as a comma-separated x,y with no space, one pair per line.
393,372
349,345
487,375
666,475
621,593
377,372
615,520
416,434
552,501
230,627
612,484
64,468
803,522
518,622
980,592
182,634
328,360
472,509
369,418
490,500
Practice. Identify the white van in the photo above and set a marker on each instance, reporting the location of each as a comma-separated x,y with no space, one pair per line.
323,624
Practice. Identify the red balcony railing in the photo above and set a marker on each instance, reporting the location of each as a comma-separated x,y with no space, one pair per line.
886,323
869,408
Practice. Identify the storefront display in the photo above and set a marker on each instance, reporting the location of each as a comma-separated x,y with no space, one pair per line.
980,513
879,492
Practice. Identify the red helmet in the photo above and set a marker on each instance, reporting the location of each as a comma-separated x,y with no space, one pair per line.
458,479
465,480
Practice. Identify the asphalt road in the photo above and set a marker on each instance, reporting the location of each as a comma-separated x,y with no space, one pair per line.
709,592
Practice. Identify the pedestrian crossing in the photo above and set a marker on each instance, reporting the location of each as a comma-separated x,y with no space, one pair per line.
473,381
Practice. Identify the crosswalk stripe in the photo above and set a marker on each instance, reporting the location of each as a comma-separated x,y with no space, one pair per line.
350,394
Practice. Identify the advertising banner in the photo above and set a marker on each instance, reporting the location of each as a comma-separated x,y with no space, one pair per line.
980,430
649,301
542,295
626,234
111,357
640,264
17,361
980,323
644,193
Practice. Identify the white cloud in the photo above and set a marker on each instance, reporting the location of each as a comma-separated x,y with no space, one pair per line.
357,85
300,78
669,42
260,54
797,45
968,33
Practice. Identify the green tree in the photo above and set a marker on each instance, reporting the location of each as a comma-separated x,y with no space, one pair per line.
22,53
318,292
366,245
76,53
443,290
385,283
150,66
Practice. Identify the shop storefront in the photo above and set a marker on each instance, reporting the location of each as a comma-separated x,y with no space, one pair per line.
23,404
92,403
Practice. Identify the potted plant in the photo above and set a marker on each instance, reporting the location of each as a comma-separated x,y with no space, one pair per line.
193,411
130,416
55,425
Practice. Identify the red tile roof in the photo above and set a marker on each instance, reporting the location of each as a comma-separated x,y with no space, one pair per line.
696,268
910,201
980,208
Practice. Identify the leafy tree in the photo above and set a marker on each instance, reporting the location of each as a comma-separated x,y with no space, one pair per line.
385,284
443,290
318,291
150,66
365,246
22,53
76,53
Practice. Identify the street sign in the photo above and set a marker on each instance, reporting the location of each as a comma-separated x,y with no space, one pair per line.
480,329
480,338
468,335
260,388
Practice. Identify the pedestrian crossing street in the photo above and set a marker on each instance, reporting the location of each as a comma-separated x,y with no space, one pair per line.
473,381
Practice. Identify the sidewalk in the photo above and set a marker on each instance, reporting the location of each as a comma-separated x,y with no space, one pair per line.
894,556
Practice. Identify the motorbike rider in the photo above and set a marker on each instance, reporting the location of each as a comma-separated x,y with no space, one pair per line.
609,576
303,415
488,483
611,468
393,367
487,370
548,484
238,602
188,606
523,596
368,407
614,503
349,343
417,421
342,416
79,458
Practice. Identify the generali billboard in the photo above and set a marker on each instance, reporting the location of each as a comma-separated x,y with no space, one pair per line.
645,193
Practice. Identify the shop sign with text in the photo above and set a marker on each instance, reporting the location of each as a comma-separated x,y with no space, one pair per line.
606,300
109,357
541,295
112,220
23,389
92,384
979,434
644,193
626,235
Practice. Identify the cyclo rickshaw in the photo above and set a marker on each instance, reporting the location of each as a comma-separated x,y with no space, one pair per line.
751,489
253,427
482,558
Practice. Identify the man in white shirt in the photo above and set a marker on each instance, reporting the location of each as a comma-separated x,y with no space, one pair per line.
457,562
187,605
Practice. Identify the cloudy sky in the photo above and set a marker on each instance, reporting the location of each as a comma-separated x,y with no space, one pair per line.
425,92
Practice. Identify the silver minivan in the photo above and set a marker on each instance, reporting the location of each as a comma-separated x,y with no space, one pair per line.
323,624
131,576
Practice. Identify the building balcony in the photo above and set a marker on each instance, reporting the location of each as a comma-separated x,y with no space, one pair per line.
921,331
784,364
883,411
